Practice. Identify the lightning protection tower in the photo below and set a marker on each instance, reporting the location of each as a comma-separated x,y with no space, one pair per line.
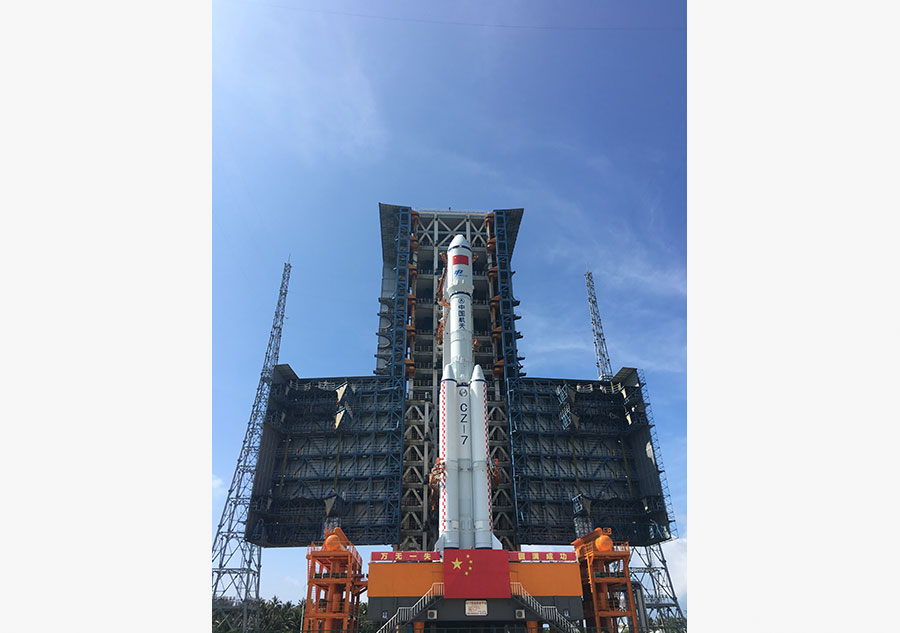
604,367
649,571
236,563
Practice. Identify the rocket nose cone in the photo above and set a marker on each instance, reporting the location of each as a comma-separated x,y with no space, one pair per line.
477,374
448,373
459,240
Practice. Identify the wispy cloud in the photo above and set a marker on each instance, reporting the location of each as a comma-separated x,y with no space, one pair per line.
326,109
554,342
621,258
218,487
456,165
660,346
294,581
676,560
613,248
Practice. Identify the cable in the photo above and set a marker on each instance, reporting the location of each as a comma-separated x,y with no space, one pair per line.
475,24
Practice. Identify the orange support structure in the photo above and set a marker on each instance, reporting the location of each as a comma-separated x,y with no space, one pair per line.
334,586
605,581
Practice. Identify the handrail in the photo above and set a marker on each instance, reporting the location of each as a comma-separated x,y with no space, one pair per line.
550,614
405,614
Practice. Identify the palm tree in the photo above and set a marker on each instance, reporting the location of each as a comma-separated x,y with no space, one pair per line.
365,626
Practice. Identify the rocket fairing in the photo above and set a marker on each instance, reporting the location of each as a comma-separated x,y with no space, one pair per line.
465,517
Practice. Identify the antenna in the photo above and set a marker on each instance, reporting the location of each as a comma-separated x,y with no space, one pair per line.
604,367
236,563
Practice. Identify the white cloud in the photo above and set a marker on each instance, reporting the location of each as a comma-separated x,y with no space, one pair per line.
629,264
658,347
554,340
641,262
326,108
218,487
294,581
676,560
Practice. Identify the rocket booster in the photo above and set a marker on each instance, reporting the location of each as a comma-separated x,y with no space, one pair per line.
465,517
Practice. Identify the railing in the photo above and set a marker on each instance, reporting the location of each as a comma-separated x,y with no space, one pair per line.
405,614
348,548
617,547
551,615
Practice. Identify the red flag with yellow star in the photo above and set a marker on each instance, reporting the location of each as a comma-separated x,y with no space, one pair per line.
476,573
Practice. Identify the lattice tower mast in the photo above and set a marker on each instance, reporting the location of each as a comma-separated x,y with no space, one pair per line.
604,367
652,572
235,562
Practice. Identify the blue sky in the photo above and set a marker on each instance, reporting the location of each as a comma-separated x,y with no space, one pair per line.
107,158
323,110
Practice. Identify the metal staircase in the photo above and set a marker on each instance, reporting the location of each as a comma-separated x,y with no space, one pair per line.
550,615
405,615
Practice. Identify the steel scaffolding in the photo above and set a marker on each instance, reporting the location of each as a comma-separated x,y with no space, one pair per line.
329,457
605,578
664,614
335,582
661,611
604,367
358,451
236,562
651,571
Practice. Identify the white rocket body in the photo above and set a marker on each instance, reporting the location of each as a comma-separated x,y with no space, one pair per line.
465,495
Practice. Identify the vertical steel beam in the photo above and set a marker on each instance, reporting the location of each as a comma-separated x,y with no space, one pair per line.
511,364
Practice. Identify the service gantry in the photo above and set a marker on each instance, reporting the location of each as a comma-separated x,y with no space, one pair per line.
357,451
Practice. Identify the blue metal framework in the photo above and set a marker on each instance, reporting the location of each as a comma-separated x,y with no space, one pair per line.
578,452
657,453
327,459
332,456
510,365
575,440
335,451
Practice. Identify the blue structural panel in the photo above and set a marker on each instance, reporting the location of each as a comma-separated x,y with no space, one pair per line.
584,448
330,455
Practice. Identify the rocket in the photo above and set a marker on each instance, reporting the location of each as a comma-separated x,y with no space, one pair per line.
465,517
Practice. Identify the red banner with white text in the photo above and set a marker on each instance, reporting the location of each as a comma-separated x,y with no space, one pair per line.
405,557
524,557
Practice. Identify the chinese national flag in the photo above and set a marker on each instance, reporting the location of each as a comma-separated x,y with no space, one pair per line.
476,573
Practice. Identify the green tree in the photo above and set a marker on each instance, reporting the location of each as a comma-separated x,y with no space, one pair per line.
670,624
365,625
280,617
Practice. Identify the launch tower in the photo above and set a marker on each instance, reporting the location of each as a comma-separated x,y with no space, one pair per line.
359,452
